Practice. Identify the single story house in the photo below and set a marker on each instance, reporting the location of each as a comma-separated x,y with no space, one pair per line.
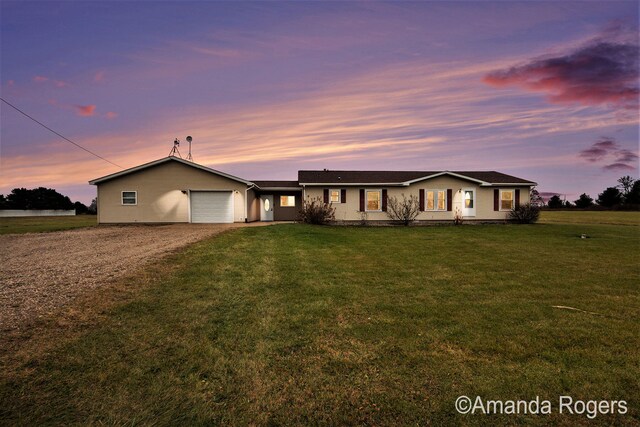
176,190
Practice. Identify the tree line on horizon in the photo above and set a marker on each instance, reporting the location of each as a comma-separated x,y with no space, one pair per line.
625,195
43,198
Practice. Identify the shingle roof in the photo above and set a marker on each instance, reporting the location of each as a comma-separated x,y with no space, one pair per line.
397,177
276,184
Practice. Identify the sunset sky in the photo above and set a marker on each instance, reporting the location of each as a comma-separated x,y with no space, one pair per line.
546,91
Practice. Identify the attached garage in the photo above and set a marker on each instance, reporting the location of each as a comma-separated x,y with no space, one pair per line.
211,206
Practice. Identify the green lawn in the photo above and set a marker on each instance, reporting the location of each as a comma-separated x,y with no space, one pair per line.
35,224
298,325
590,217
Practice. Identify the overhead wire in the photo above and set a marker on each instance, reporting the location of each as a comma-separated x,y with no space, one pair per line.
59,134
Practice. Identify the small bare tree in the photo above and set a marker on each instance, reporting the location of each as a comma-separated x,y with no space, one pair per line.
405,210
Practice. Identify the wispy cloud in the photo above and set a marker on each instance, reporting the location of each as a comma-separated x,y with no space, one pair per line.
619,167
604,71
56,83
111,115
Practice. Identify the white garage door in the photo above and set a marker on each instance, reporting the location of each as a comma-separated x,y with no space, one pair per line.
211,206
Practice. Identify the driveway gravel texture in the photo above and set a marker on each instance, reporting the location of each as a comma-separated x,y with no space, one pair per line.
42,272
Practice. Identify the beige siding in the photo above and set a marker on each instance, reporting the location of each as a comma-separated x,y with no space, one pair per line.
160,194
253,206
349,211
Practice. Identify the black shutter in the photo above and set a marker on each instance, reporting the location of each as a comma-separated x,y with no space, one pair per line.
422,199
326,195
496,199
362,200
384,200
517,197
449,200
343,195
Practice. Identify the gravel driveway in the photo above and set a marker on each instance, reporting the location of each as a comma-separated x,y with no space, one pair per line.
41,272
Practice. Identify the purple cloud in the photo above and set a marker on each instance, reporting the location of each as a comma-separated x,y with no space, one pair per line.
626,156
619,167
600,72
599,150
608,147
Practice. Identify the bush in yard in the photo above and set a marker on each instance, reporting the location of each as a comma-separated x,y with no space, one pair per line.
524,214
405,210
315,211
458,218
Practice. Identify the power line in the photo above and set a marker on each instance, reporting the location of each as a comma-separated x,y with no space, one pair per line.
61,136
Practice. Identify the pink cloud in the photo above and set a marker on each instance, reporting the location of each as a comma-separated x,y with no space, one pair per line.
111,115
602,72
60,83
99,76
10,83
86,110
40,79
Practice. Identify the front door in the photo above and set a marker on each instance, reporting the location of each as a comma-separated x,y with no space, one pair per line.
266,208
468,202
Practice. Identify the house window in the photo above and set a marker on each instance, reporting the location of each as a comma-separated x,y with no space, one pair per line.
373,200
288,201
334,196
506,200
129,197
468,199
436,200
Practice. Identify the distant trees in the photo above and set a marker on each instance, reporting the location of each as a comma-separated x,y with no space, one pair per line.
625,184
584,201
40,198
93,207
633,197
37,198
535,198
555,202
610,197
80,208
625,195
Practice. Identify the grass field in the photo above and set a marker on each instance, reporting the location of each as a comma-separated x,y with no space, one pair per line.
34,224
295,324
590,217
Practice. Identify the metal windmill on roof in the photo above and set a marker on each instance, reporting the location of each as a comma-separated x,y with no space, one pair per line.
175,151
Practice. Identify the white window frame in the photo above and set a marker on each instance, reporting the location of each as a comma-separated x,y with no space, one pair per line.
122,203
513,200
339,195
366,200
435,200
287,206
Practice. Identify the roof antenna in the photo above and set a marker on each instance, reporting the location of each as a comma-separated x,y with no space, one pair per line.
189,139
174,150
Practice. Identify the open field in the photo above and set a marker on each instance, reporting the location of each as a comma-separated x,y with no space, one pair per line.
590,217
40,224
295,324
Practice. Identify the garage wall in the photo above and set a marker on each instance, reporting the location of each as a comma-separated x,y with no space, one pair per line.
160,197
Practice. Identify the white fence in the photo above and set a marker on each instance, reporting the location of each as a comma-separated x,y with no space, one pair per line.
7,213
